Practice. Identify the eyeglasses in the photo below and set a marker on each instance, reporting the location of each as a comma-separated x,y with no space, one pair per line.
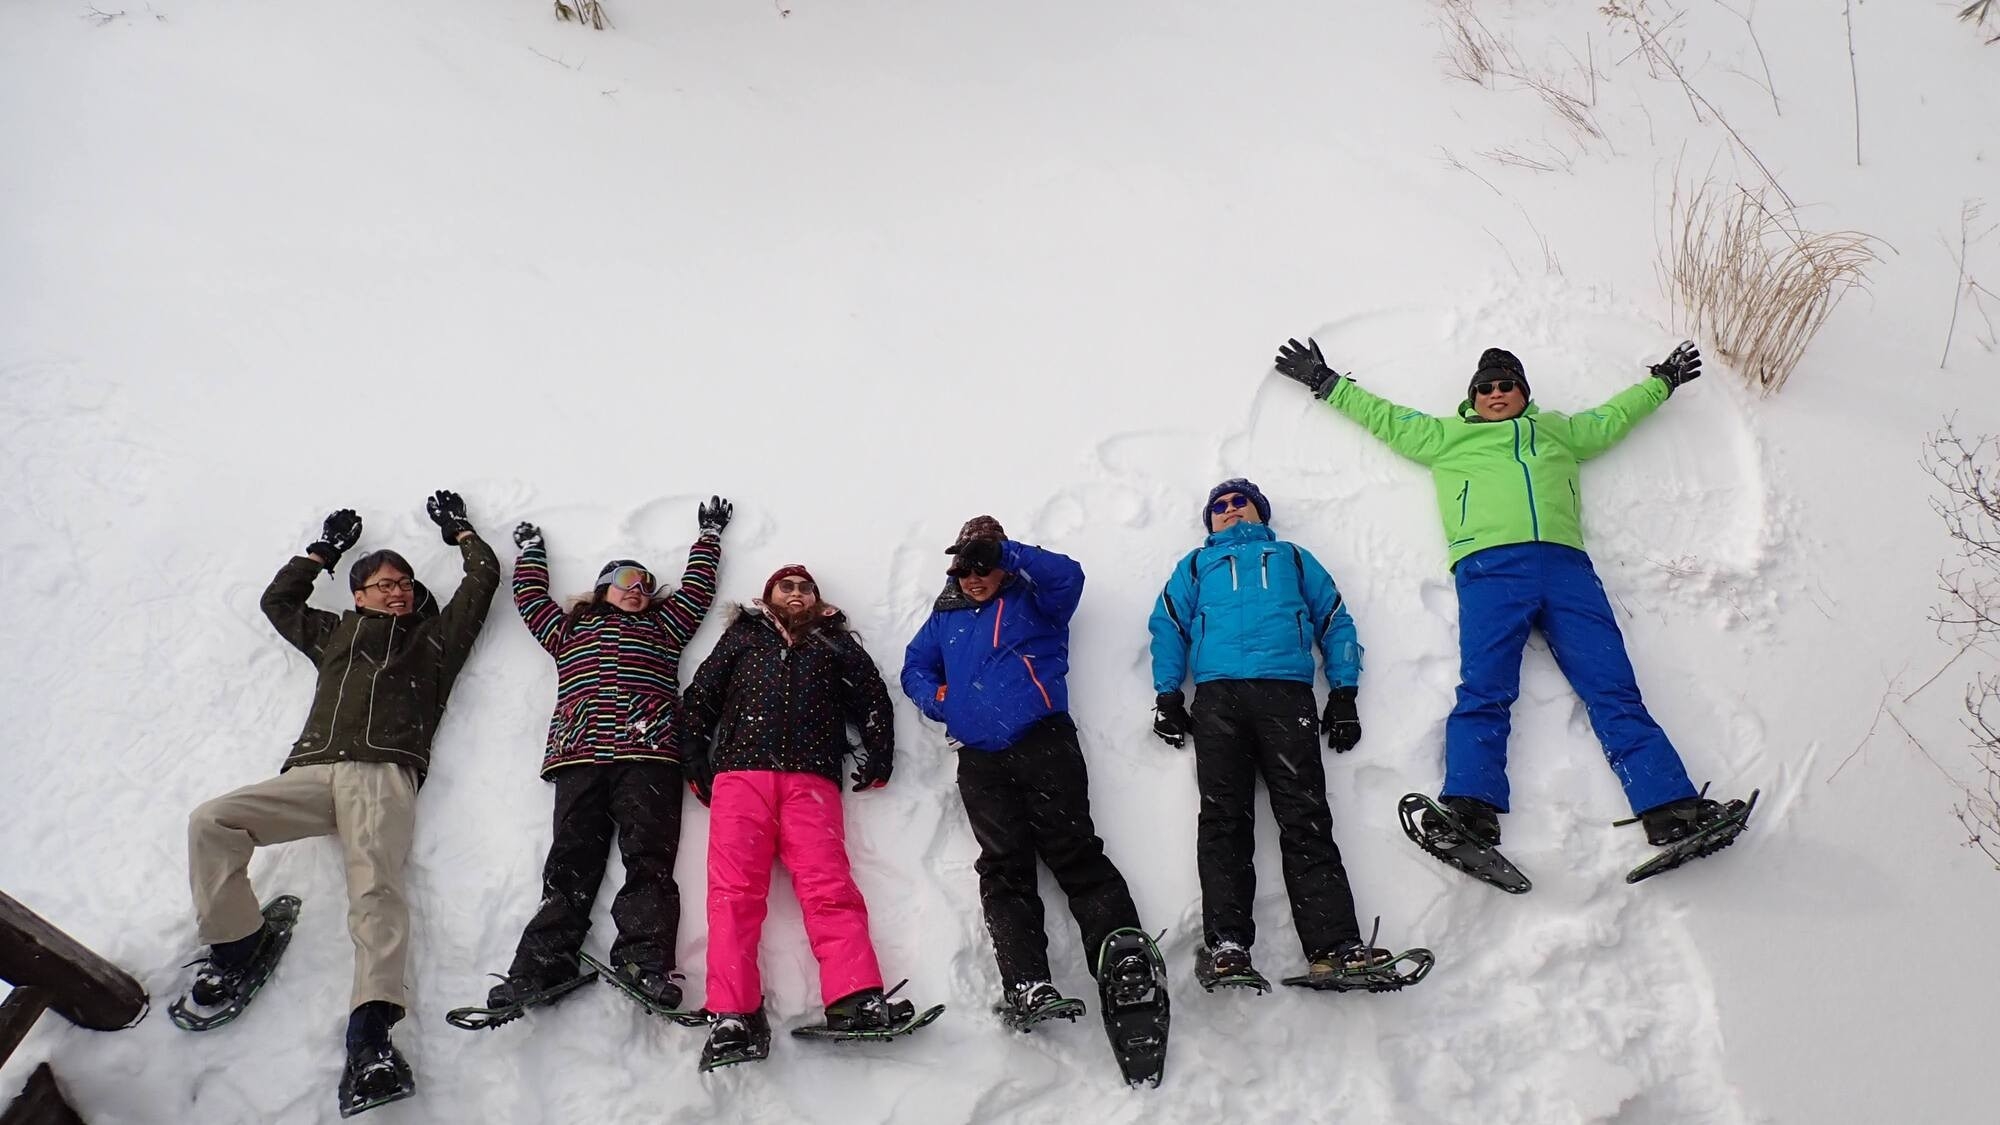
962,571
795,586
1233,500
387,586
632,578
1499,386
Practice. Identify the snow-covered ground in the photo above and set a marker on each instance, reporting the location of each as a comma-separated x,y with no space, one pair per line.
875,267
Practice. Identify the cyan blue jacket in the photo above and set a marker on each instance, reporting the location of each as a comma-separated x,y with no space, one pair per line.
1250,606
988,671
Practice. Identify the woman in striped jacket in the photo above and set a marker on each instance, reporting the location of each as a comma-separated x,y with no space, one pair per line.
614,756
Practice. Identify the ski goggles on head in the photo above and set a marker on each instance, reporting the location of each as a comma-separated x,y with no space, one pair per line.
1493,386
632,578
1233,500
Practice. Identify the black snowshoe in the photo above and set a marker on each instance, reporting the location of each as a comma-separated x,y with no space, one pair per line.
1227,966
1132,992
1463,837
1691,829
375,1074
736,1038
870,1014
654,990
1035,1001
513,996
221,991
1365,967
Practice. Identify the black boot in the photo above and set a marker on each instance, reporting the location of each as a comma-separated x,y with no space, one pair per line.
374,1069
525,987
656,985
736,1037
1677,820
1480,820
868,1010
220,978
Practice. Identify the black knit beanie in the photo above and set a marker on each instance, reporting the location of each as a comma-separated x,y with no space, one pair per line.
1498,363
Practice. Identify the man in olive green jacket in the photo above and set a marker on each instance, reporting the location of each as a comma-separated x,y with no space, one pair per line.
1506,478
385,669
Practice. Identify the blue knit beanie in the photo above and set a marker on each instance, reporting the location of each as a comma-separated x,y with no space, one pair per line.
1235,484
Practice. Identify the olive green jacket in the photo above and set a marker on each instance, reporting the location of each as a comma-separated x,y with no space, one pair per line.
382,679
1503,482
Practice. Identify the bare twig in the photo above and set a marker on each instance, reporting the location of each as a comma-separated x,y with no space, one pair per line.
1854,76
100,18
555,60
1964,286
1976,12
1770,87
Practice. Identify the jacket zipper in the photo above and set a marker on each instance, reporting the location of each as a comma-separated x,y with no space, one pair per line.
1232,571
1300,617
1264,569
1534,518
1046,701
1464,492
1575,501
999,611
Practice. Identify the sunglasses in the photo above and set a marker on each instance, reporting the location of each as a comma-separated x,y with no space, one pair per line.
795,586
962,571
1234,500
632,578
1497,386
387,586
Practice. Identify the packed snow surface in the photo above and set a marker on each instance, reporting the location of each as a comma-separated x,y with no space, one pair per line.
871,268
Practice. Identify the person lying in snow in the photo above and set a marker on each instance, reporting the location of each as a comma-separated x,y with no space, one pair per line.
777,696
385,670
614,756
991,664
1506,479
1241,615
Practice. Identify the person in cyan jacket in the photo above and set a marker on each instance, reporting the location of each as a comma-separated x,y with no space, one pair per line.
992,663
614,756
1506,477
765,731
1241,616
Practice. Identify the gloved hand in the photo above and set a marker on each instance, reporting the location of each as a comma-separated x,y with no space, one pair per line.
871,771
714,515
698,768
527,535
975,553
1340,723
1682,365
1170,719
338,535
1304,363
447,510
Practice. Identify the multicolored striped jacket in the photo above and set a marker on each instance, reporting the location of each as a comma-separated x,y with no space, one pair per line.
617,673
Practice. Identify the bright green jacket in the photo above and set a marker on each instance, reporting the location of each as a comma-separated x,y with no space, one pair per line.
1503,482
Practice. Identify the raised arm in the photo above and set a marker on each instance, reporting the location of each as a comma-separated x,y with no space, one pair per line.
1591,432
1171,627
284,601
923,671
682,611
459,624
539,611
1055,581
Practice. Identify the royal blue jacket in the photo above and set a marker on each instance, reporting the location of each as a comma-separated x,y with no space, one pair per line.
1250,606
990,670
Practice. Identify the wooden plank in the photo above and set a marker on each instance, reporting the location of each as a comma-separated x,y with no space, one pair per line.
82,987
18,1013
40,1103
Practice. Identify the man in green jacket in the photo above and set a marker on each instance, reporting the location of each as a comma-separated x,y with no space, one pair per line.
385,670
1506,477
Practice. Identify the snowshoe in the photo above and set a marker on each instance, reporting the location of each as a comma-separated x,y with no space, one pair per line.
1132,992
1365,968
655,991
221,992
1227,966
1035,1001
870,1014
1704,828
736,1038
513,996
374,1075
1444,835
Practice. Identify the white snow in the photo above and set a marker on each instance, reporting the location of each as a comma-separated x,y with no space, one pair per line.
875,267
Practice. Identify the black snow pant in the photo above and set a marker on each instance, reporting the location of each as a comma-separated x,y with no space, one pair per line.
1244,728
1033,799
642,802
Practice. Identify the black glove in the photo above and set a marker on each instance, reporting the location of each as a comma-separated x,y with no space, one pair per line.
447,510
698,769
1682,365
1170,719
338,535
1340,723
1304,363
871,771
527,535
714,515
977,553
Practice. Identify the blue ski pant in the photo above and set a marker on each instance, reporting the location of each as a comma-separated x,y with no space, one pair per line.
1503,592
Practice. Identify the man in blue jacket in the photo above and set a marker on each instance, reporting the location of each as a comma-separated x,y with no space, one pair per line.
991,664
1242,614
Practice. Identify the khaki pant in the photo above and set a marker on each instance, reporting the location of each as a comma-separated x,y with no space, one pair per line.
370,806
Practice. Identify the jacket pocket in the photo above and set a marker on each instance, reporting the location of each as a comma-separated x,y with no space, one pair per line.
1575,502
1464,500
1299,617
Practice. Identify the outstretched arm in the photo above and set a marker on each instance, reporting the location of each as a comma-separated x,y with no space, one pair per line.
1410,432
1591,432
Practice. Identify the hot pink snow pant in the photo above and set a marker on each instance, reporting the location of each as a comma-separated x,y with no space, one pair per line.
753,816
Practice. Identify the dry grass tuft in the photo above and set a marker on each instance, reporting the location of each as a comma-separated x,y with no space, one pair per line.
1751,279
590,13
